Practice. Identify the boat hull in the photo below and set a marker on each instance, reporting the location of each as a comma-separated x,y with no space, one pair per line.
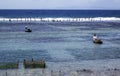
97,41
28,30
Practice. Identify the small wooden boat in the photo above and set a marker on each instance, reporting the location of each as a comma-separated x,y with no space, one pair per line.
97,41
28,30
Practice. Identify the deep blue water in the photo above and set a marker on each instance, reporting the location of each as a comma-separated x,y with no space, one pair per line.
59,13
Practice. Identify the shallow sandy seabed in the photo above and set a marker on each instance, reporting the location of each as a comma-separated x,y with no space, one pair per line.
84,68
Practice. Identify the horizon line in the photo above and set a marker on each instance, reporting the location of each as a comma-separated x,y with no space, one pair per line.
57,9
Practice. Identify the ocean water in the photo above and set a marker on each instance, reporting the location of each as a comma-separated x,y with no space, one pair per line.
59,41
59,13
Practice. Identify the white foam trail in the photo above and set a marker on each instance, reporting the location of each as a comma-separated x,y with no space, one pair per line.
59,19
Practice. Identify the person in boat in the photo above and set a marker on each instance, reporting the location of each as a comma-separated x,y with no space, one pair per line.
27,29
95,37
96,40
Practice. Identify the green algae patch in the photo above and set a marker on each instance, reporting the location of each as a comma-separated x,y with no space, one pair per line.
9,66
34,64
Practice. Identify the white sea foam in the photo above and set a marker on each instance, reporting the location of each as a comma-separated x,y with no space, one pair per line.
99,19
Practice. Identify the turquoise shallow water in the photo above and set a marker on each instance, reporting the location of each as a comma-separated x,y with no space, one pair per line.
59,42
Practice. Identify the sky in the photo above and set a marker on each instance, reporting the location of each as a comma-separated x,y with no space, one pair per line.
60,4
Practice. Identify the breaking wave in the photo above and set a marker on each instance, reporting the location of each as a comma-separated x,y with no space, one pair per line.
99,19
